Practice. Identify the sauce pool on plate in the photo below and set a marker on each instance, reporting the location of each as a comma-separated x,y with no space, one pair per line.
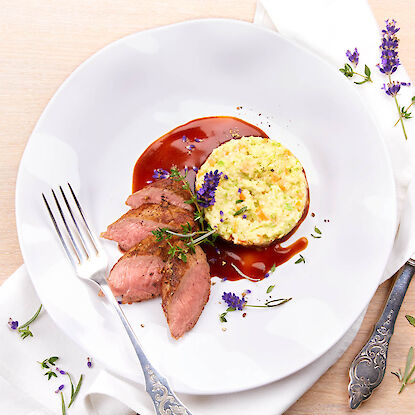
188,146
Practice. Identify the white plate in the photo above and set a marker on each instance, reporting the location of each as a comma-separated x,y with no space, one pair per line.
134,90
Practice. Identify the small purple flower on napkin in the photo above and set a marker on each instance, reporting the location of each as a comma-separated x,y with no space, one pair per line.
353,57
13,324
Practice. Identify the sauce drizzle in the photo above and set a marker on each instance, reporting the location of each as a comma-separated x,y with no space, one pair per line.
176,148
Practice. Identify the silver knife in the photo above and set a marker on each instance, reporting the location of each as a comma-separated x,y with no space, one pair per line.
368,368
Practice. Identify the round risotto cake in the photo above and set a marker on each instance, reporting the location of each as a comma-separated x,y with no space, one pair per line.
262,192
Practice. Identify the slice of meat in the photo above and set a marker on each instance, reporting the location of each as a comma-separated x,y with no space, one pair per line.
166,191
138,223
185,289
137,274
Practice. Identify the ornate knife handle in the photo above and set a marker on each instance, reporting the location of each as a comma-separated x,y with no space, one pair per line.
368,368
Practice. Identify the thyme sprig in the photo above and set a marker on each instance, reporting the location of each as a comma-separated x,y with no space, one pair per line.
404,111
24,329
178,177
349,72
49,363
405,379
206,234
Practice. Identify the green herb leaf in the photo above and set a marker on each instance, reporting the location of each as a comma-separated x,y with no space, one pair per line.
72,387
408,362
31,320
239,201
50,374
270,288
273,268
406,377
63,405
410,319
230,309
222,317
413,99
299,260
398,374
240,211
270,303
52,360
367,71
277,302
317,230
78,386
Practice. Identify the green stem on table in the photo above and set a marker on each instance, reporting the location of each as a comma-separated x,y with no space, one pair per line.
32,319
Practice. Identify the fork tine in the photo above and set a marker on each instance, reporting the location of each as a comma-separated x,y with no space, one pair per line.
65,247
75,246
94,241
84,244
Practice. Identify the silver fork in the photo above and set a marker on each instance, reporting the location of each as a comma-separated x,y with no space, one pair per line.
91,264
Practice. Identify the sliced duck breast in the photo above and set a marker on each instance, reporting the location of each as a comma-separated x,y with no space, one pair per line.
161,191
137,274
185,289
138,223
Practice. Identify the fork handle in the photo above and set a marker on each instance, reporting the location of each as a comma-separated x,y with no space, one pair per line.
368,367
164,400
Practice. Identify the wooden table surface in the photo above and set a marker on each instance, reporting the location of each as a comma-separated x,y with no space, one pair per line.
42,42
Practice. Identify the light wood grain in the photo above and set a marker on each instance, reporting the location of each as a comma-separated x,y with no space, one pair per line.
42,42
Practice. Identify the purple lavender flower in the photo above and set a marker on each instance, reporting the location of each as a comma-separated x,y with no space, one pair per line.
59,389
62,372
392,88
161,174
233,301
353,57
221,212
206,194
184,139
225,177
389,60
13,324
195,169
198,140
221,220
190,147
239,190
89,362
244,217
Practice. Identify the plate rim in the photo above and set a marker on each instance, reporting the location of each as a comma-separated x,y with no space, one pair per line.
388,167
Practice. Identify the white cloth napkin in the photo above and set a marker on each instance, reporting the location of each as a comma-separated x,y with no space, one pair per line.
328,27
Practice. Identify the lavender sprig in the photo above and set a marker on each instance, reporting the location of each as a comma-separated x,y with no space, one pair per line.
206,194
389,62
239,303
206,233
